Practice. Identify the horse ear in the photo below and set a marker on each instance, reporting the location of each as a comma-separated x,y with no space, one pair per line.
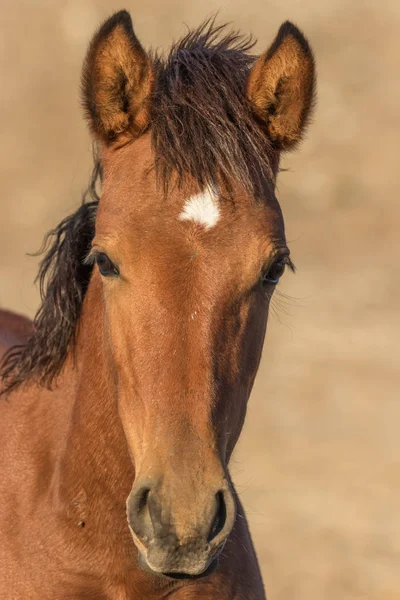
281,87
117,78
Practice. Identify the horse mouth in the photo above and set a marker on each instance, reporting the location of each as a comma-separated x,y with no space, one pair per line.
177,576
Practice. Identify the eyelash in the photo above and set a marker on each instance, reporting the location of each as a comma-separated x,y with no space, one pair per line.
95,256
280,263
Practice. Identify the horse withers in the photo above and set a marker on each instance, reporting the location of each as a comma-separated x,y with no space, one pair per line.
123,401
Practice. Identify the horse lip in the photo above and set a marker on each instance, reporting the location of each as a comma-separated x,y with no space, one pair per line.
179,576
212,565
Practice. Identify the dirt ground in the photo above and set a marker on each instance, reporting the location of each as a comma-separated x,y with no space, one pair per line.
318,464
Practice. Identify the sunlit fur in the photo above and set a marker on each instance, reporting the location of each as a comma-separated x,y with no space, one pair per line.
123,401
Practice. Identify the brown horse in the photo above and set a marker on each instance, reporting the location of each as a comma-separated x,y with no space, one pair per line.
124,400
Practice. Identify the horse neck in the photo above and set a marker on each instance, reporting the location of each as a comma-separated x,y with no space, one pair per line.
96,458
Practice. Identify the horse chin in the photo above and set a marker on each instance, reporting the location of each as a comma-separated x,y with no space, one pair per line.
177,576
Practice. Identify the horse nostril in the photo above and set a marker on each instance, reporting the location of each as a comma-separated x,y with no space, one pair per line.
142,499
139,515
219,518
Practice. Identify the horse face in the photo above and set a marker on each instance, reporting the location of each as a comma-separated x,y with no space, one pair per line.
186,276
187,281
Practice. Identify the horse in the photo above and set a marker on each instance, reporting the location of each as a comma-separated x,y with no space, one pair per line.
124,399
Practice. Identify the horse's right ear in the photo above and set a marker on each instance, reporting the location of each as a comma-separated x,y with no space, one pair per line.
117,79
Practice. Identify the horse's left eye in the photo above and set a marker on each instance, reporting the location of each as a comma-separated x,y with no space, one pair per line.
106,266
274,273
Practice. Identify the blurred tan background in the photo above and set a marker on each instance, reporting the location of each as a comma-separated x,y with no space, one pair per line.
318,465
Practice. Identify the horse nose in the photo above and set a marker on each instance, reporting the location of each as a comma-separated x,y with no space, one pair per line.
179,537
219,521
138,512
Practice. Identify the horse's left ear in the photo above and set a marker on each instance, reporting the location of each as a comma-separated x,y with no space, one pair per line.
281,87
117,78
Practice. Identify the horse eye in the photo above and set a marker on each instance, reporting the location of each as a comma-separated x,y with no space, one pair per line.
274,273
106,266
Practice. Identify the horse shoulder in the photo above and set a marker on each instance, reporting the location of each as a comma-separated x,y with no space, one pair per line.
14,329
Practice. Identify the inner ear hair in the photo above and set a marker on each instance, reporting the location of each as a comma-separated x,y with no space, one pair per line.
116,81
281,87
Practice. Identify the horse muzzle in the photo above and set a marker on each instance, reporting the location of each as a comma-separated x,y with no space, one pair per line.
177,538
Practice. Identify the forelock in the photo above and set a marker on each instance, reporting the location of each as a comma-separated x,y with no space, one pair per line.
202,123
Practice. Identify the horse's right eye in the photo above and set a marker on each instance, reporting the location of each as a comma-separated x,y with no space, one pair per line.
106,266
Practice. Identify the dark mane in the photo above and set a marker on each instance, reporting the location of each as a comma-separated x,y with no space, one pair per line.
202,126
201,121
63,279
